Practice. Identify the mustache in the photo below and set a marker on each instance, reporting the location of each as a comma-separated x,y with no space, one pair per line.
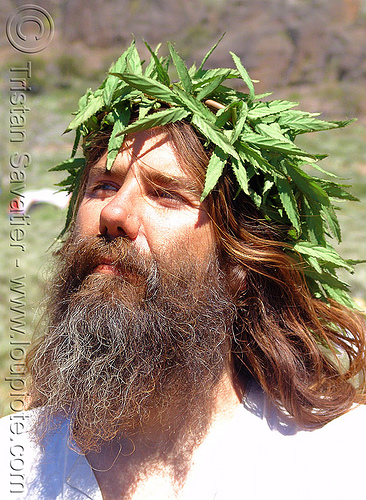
82,256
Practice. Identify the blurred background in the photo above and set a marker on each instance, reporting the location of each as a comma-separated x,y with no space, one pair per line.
310,51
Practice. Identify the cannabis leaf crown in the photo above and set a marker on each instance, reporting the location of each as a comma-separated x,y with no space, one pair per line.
255,138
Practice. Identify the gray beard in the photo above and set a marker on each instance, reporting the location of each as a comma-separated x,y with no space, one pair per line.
122,357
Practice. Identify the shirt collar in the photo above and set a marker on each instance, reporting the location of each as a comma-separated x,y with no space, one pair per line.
81,478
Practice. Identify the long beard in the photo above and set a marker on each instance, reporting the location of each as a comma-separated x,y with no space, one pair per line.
133,351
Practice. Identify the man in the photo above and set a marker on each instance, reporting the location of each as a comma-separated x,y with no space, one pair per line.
198,343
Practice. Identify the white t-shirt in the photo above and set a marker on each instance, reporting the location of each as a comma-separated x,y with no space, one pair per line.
257,454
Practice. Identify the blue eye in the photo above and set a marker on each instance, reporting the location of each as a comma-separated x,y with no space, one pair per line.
169,196
101,189
166,194
104,186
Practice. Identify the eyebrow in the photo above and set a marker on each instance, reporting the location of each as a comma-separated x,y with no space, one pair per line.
172,182
98,169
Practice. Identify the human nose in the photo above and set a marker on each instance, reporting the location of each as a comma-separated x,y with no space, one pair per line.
120,216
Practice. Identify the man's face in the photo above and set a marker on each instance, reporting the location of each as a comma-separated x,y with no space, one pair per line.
148,198
139,313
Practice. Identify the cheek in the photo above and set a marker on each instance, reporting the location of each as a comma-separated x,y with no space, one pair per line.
188,233
201,241
87,219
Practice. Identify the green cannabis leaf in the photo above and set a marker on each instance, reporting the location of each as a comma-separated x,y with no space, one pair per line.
250,139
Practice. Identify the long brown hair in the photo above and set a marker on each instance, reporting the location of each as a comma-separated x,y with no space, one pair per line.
307,355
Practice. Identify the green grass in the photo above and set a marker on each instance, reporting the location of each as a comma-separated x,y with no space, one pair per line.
46,222
49,115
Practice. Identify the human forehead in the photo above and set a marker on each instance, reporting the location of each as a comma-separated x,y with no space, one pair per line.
146,151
